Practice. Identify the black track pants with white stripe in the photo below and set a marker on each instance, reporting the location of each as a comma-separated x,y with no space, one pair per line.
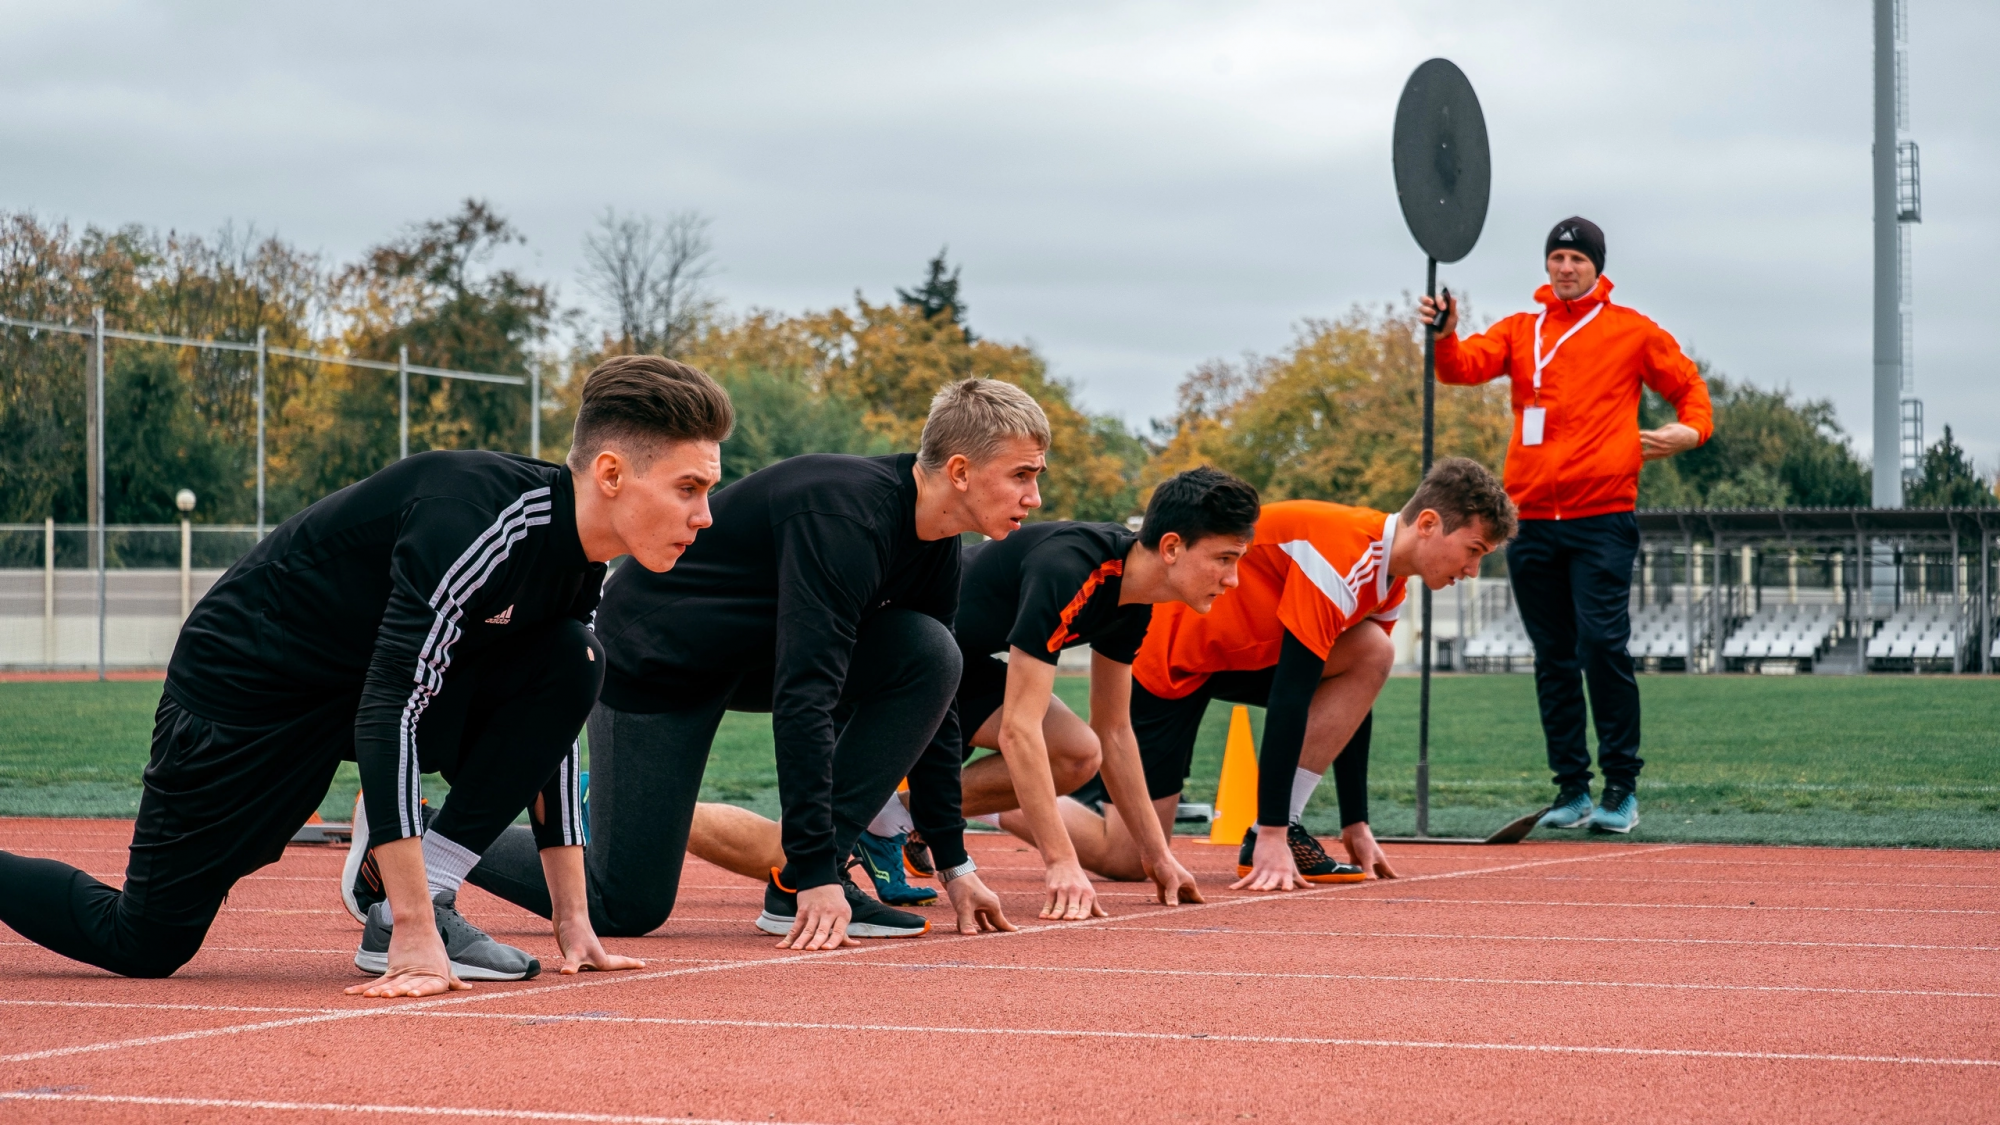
221,800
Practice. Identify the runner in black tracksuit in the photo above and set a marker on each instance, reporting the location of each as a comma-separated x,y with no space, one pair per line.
429,618
812,598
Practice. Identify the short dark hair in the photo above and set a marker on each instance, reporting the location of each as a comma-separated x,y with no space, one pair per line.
641,402
1459,490
1198,503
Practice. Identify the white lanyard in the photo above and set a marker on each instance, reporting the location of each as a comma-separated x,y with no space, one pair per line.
1540,360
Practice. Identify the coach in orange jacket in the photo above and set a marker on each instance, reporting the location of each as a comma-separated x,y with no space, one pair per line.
1573,470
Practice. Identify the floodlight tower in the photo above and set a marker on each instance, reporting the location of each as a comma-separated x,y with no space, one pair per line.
1899,413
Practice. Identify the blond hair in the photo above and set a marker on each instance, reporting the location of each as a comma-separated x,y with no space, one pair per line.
973,417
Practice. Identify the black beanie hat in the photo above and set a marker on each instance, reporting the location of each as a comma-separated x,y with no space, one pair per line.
1581,235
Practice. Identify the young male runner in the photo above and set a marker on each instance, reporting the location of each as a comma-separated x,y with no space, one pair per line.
1053,586
824,594
429,618
1306,635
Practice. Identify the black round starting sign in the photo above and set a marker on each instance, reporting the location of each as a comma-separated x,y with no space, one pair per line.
1444,171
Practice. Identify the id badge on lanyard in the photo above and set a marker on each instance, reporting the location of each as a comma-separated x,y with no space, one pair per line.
1534,419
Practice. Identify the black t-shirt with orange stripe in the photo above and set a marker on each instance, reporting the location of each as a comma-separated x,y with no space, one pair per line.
1048,587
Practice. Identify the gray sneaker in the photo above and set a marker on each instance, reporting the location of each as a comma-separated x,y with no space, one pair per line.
474,956
1572,810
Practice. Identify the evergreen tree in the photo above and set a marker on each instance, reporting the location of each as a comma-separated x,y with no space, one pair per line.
938,297
1949,480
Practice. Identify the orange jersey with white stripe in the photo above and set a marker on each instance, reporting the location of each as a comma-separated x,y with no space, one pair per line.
1314,568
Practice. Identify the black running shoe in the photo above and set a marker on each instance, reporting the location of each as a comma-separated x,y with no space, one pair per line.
871,919
917,857
1314,864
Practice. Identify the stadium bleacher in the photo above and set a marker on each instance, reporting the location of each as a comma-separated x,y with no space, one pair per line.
1783,632
1914,634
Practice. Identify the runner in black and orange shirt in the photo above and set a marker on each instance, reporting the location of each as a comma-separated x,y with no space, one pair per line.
1306,635
1049,587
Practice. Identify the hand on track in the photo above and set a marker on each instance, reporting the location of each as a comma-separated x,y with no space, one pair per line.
582,950
1174,883
822,920
1071,897
978,909
1272,867
418,965
1364,852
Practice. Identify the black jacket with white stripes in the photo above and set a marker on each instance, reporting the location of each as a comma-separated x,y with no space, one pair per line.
799,554
370,592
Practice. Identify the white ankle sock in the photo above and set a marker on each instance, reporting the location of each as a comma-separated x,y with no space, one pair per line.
1304,781
893,819
446,863
992,818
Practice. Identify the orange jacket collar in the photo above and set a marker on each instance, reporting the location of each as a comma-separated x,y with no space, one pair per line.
1600,294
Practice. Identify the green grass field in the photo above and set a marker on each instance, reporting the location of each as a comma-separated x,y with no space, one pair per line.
1879,760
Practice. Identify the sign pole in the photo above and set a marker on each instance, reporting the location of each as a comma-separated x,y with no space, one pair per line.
1424,691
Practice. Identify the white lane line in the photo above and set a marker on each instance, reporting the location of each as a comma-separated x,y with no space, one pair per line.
1833,862
949,966
344,1107
1191,931
1894,885
1677,906
607,980
1205,1037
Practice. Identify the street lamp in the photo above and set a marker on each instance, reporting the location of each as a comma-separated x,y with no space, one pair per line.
184,500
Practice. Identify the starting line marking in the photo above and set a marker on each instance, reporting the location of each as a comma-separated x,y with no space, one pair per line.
658,974
1678,906
1186,931
341,1107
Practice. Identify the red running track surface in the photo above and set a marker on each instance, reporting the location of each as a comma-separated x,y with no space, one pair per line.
1557,981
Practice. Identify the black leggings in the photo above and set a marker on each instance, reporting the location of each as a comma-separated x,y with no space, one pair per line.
645,771
222,800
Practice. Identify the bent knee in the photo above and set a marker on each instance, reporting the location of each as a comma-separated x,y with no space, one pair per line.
1072,767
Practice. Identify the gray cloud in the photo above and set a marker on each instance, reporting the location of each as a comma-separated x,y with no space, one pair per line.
1132,187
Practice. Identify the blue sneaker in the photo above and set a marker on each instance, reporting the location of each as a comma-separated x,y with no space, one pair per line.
882,858
1572,810
1619,812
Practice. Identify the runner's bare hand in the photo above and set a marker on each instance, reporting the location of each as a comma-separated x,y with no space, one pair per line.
1071,896
1174,883
978,909
822,920
1364,852
1272,867
581,950
418,965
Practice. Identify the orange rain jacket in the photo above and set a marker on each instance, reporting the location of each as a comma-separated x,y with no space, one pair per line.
1588,462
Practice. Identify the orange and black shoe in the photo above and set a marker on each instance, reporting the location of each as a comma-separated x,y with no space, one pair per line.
917,857
1314,864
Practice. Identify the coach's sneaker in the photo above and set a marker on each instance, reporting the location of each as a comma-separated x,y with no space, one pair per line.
1619,811
882,858
1314,864
870,919
360,879
1572,810
474,956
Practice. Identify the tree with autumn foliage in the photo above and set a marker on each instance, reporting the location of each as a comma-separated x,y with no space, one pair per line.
1337,415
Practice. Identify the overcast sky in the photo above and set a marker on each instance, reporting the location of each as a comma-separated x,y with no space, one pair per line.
1131,188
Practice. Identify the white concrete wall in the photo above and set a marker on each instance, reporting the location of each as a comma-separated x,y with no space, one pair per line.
142,621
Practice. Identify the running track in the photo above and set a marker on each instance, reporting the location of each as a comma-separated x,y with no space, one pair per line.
1562,981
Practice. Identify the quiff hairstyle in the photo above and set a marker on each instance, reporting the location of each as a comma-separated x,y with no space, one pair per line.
1460,490
973,417
639,404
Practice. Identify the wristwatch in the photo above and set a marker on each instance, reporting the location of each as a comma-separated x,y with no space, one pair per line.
947,874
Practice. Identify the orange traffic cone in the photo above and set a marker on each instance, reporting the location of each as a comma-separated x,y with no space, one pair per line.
1236,795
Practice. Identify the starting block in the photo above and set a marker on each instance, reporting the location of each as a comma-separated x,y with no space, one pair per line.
317,831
